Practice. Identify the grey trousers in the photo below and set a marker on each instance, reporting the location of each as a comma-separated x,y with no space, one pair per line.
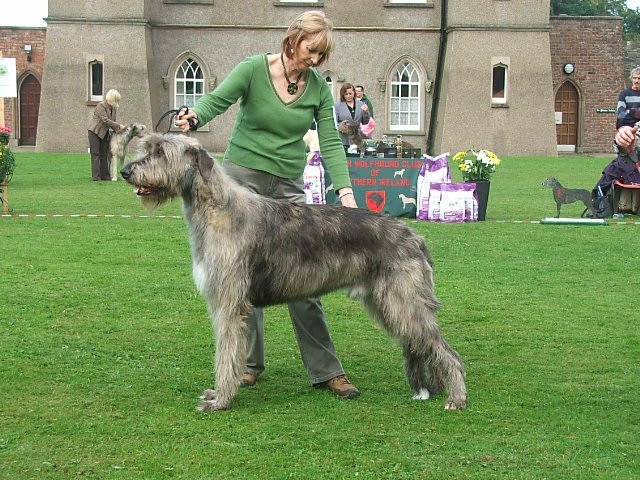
309,321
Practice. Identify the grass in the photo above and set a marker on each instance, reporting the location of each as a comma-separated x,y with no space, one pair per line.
105,346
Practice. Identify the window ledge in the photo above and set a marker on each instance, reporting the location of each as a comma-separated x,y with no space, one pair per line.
499,105
300,3
409,4
194,2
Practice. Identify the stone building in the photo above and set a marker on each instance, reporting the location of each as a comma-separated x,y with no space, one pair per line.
444,74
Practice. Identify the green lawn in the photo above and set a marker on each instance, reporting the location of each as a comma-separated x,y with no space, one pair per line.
105,346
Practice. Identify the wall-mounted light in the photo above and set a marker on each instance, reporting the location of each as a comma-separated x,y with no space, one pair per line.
27,48
569,68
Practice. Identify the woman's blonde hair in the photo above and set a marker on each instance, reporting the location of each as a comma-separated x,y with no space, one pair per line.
113,98
310,24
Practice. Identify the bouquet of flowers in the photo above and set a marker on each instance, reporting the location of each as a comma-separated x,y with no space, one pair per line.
5,130
476,164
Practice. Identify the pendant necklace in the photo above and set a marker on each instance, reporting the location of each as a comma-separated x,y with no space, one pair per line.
292,87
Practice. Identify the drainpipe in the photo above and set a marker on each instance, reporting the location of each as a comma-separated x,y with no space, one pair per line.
439,67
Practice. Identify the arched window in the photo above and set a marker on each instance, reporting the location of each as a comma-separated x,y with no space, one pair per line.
329,81
189,83
405,97
499,84
96,81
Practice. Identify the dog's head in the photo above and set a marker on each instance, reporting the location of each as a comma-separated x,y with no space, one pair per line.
136,129
551,182
166,167
348,127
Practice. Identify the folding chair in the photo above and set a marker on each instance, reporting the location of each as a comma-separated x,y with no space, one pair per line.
626,198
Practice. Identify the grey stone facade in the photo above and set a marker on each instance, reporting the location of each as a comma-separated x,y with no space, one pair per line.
142,42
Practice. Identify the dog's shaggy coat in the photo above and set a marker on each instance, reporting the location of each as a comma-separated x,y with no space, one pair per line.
250,250
118,145
351,129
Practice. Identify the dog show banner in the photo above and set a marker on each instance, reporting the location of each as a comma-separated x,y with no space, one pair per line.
382,185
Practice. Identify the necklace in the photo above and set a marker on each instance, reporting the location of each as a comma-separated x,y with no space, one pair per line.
292,87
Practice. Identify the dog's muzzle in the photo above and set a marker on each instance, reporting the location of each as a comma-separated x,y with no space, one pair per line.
125,172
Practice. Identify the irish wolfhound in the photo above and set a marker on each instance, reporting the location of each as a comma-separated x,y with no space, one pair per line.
351,129
250,250
118,146
564,196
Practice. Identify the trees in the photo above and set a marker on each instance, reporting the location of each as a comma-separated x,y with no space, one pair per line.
585,8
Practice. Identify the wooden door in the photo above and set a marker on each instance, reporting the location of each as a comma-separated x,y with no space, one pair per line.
29,108
566,105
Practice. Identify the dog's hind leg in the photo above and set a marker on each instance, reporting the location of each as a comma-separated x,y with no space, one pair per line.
230,359
409,315
446,368
414,366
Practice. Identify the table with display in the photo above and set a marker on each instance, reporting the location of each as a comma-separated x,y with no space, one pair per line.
382,184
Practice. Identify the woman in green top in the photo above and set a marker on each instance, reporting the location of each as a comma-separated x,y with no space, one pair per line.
280,95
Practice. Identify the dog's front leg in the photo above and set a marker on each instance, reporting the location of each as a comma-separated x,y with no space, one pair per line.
230,359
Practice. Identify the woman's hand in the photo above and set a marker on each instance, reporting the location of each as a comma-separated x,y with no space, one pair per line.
182,119
347,198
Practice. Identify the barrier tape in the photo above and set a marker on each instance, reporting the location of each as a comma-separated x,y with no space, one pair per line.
84,215
180,217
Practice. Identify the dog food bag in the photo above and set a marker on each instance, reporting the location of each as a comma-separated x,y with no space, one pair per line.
452,202
313,178
432,170
470,202
435,198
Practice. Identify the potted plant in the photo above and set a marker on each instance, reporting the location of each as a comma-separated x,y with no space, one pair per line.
477,166
5,130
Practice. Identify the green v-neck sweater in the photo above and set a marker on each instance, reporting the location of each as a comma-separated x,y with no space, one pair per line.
267,135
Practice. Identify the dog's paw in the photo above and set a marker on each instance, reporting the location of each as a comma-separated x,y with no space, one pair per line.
211,406
456,404
211,401
423,394
208,394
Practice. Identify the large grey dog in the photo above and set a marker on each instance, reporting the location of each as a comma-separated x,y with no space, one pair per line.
250,250
118,145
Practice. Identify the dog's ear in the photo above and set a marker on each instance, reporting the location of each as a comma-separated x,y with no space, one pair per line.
205,164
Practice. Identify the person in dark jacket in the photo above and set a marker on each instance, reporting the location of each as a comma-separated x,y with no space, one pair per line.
629,102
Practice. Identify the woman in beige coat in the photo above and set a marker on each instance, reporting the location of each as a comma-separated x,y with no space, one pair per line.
104,119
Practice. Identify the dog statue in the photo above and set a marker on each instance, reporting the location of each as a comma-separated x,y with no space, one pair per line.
118,146
564,195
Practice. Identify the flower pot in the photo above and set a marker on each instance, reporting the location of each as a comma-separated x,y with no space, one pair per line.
482,193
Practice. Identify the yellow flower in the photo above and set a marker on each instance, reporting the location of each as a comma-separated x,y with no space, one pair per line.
476,164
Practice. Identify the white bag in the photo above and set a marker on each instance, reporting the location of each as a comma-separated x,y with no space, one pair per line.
432,170
313,178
